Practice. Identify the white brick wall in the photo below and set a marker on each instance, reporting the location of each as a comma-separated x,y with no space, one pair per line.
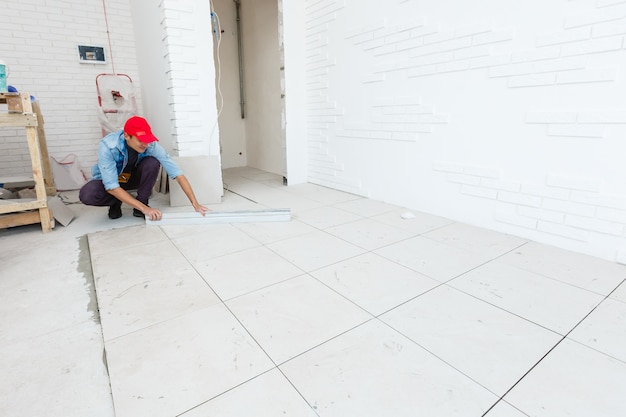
38,41
511,122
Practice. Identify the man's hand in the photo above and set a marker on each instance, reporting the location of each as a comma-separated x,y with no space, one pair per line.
201,209
152,213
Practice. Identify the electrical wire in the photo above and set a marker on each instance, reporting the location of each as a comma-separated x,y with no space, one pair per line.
217,31
106,23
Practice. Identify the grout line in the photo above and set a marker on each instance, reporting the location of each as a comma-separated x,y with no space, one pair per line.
550,351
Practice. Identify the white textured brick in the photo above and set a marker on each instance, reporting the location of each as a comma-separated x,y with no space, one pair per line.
574,183
537,54
611,29
532,80
452,66
612,215
567,36
463,179
422,71
404,136
479,191
398,101
397,37
482,172
500,185
595,16
490,61
600,200
550,192
595,225
451,45
473,29
592,46
560,64
424,31
541,214
510,70
519,199
473,52
586,76
493,37
610,116
568,207
438,37
564,231
356,31
505,216
434,58
580,130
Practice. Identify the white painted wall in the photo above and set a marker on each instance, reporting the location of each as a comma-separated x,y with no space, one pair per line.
232,126
503,114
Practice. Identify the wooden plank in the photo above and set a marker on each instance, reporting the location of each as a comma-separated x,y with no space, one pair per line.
48,179
28,217
246,216
16,204
17,120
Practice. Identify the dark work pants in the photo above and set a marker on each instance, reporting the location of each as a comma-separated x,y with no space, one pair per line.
142,180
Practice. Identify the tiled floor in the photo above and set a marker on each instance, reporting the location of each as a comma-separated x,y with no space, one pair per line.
353,308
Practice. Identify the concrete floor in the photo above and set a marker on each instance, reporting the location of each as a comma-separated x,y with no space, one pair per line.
349,309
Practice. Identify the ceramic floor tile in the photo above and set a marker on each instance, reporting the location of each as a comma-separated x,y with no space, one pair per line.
279,198
542,300
476,239
268,232
365,207
374,371
620,292
431,258
369,234
242,272
573,268
269,394
605,329
60,373
491,346
504,409
321,194
118,239
218,240
288,318
325,217
167,369
315,250
135,296
411,220
573,381
374,283
111,269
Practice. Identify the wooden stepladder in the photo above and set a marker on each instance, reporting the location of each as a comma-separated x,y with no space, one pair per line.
16,212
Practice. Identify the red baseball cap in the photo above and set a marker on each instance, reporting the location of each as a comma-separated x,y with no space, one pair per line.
138,127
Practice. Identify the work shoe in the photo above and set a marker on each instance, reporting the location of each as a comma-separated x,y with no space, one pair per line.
115,211
138,213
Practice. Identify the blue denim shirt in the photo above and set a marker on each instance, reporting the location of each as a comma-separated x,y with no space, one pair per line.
113,156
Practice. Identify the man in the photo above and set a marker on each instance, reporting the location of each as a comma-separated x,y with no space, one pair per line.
129,160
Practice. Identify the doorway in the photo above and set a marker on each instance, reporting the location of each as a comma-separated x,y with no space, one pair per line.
249,77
